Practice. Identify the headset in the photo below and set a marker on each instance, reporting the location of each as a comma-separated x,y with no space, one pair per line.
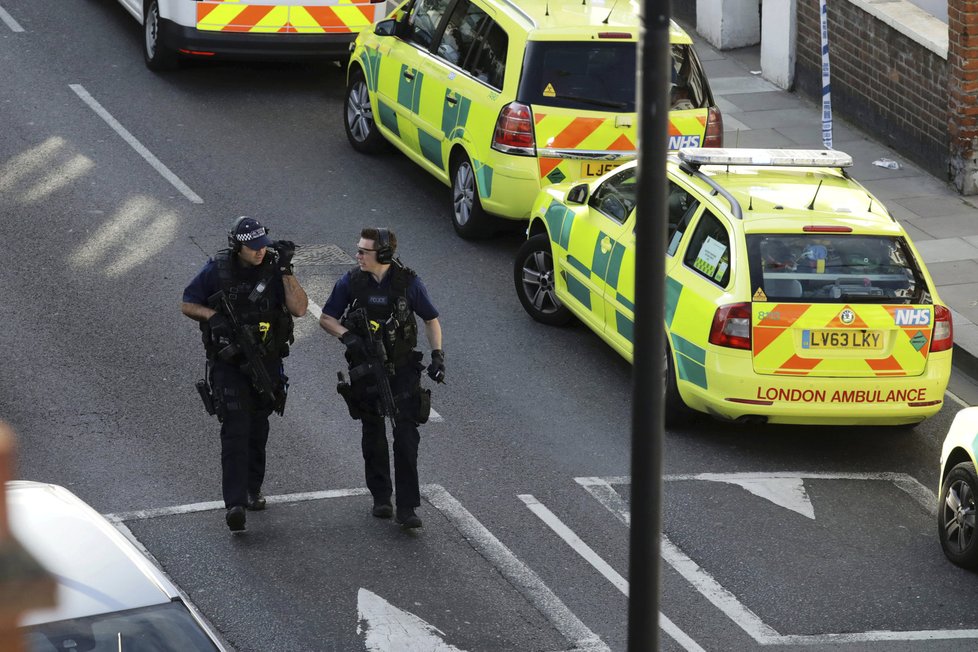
235,244
385,252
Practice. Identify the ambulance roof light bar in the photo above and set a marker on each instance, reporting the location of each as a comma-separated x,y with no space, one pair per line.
809,158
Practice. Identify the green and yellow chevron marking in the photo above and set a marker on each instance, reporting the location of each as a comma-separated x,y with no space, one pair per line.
673,289
483,175
690,361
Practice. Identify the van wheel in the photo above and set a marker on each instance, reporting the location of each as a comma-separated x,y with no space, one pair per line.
533,272
956,516
468,217
358,116
675,412
157,56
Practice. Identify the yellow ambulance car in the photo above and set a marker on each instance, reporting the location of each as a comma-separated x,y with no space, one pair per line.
250,29
792,295
498,98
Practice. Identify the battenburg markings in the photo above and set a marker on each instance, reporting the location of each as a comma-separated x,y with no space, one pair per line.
559,220
388,117
430,148
579,291
673,290
690,361
625,326
409,90
370,58
483,174
455,116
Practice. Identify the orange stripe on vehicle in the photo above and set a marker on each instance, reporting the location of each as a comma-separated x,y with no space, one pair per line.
622,143
538,117
325,16
764,336
798,366
547,165
248,18
885,365
576,131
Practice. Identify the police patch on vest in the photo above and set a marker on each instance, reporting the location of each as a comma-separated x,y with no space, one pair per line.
377,300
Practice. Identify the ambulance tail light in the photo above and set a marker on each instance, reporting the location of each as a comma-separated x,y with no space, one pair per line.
514,131
713,137
731,326
943,337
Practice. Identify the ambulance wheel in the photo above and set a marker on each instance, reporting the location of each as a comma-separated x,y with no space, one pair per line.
157,56
468,217
675,413
533,272
358,117
956,516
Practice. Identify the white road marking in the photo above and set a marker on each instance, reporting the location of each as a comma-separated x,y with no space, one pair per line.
317,313
520,576
389,629
726,602
516,573
602,566
786,492
11,23
135,144
957,399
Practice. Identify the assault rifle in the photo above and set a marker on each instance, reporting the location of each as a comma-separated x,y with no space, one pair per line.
376,366
245,341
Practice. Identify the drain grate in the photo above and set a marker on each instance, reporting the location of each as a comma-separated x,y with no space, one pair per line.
328,254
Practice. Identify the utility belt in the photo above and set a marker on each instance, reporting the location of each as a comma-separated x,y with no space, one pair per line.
363,398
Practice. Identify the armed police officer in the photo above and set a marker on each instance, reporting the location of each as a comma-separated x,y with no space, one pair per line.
372,310
245,298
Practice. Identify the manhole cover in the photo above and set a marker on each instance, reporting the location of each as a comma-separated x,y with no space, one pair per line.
321,255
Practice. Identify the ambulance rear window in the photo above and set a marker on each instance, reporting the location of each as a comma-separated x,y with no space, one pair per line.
833,268
600,76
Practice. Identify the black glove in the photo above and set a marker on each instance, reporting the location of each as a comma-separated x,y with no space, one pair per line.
286,250
355,346
220,327
436,370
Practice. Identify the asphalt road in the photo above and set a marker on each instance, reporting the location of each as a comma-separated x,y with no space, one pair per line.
775,537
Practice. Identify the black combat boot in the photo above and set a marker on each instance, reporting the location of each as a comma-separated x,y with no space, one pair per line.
235,518
256,501
407,518
382,509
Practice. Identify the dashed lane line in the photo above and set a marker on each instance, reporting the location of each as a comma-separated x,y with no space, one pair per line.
602,566
135,144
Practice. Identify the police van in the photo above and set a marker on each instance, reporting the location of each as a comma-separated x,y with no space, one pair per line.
250,29
499,98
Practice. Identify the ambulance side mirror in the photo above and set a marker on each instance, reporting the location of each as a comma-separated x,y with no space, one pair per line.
578,194
387,27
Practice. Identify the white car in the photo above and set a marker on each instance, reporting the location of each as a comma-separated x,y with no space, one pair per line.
958,489
109,595
250,29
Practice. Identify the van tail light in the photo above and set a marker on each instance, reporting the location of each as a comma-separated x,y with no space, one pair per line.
943,337
714,128
514,130
731,326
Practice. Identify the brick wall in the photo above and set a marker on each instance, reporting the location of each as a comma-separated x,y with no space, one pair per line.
882,81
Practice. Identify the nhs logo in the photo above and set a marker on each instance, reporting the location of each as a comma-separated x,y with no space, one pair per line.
678,142
913,317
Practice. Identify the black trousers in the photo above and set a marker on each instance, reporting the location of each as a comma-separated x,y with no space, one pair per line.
405,386
244,433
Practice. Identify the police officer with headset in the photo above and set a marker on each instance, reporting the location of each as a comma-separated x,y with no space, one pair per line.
385,296
245,375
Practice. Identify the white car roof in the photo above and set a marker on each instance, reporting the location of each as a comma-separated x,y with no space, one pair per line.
97,569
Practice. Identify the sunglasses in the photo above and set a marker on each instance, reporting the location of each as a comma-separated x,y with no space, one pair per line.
363,252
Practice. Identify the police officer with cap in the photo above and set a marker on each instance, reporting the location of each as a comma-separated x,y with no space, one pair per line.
389,295
253,281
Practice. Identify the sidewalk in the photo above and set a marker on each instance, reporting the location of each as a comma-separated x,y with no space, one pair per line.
942,224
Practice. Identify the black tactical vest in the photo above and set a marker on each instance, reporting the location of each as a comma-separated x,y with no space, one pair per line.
268,309
390,308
